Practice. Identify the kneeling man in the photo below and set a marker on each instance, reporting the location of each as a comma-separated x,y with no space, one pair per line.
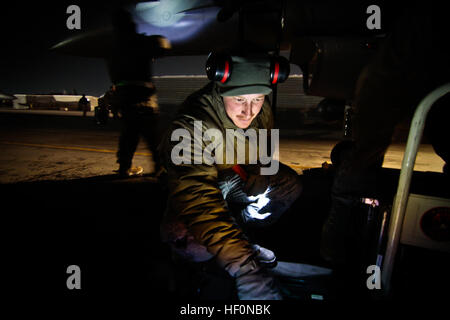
222,177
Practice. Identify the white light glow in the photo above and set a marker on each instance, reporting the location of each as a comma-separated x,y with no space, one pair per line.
260,201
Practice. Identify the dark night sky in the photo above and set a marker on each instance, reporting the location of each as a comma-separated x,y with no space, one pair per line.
28,30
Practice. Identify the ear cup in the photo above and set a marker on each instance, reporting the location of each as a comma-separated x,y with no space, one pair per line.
279,69
218,67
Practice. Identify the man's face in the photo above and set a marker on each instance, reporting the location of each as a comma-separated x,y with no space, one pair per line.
243,109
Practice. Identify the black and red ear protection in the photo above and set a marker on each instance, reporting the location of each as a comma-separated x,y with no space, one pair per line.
219,68
279,69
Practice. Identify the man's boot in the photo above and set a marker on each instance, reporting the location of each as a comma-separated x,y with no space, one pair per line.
129,172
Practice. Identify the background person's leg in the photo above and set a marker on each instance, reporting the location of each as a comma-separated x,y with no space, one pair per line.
128,140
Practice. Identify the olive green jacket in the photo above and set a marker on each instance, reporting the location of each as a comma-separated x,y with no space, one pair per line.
195,199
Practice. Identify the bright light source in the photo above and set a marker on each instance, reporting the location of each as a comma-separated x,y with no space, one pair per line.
259,202
168,19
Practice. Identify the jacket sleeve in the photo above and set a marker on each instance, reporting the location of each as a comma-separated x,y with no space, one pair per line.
196,201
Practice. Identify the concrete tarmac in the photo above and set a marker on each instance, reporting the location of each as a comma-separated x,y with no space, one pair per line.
58,145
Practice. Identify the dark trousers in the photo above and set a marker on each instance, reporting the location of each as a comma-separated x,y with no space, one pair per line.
139,109
137,122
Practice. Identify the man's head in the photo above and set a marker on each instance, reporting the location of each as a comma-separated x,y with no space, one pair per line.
244,108
236,75
244,91
243,82
242,75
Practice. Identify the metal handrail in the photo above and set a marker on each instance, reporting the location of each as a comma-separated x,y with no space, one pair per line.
401,197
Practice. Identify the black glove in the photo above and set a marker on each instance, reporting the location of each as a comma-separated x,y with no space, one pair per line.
254,283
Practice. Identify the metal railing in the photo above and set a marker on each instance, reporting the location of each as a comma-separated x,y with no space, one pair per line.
401,197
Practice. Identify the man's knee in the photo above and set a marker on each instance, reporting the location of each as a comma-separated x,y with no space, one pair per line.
283,185
286,184
182,243
282,190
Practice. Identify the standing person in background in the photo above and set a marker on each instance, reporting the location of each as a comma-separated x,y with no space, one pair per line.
83,105
134,96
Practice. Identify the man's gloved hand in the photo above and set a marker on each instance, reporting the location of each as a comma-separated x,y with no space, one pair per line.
254,283
253,210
